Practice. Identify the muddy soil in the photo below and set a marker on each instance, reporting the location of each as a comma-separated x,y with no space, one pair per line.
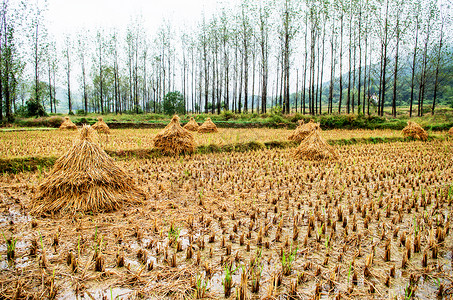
374,224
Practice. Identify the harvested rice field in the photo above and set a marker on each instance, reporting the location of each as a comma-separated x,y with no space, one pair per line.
373,224
57,142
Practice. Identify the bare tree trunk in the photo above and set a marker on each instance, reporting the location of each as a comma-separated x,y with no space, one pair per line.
253,78
305,69
68,73
341,63
353,74
384,68
264,59
50,86
213,105
423,79
192,85
54,88
369,81
36,65
439,58
206,76
85,94
359,106
246,78
1,86
332,69
396,67
276,81
413,69
322,67
365,75
240,87
348,99
101,92
317,73
380,78
297,87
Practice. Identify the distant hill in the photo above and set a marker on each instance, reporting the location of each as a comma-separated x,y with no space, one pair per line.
62,97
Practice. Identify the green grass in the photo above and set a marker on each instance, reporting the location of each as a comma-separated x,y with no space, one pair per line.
26,164
441,120
31,164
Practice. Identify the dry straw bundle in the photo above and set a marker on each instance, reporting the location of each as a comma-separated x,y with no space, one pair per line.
450,132
192,125
207,126
174,139
415,131
67,124
315,147
85,179
101,126
303,130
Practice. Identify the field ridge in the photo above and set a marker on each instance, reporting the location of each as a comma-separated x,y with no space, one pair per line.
33,163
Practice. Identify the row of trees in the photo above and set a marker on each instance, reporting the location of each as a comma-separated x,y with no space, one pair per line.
313,56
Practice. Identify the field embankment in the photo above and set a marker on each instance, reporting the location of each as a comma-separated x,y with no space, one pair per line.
23,151
442,120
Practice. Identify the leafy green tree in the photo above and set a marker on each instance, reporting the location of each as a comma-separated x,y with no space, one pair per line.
32,108
173,103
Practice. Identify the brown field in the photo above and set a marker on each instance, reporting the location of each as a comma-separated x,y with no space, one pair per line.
56,142
374,224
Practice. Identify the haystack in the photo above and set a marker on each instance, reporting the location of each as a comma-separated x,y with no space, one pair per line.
315,147
450,132
174,139
101,126
415,131
85,179
303,130
207,126
67,124
192,125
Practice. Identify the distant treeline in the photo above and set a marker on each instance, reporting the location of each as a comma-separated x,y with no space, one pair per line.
311,57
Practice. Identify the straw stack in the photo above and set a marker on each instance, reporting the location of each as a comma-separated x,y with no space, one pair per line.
303,130
101,126
174,139
67,124
315,147
450,132
192,125
415,131
207,126
85,179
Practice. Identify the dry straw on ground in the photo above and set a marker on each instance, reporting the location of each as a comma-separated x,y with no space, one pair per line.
101,126
85,179
303,130
415,131
192,125
174,139
315,147
207,126
67,124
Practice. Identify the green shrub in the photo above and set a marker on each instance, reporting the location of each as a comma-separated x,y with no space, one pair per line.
226,115
32,108
54,121
173,103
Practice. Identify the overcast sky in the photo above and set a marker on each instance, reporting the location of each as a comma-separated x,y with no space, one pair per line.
69,16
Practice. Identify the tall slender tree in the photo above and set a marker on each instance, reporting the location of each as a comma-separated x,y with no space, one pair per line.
67,53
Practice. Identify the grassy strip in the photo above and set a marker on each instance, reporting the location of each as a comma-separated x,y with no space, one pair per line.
26,129
441,121
25,164
31,164
134,153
